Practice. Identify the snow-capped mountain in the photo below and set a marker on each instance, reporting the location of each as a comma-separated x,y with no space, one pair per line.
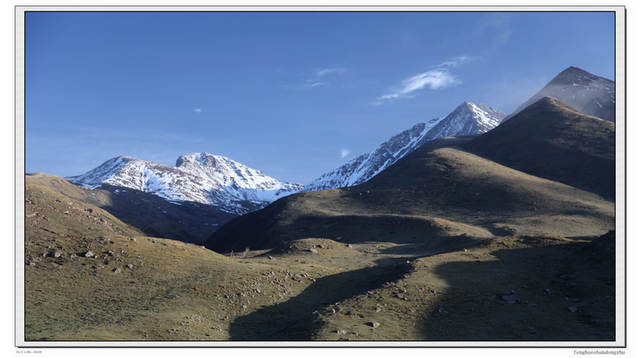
581,90
466,119
196,177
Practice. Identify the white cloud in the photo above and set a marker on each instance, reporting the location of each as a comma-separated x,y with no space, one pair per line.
434,79
198,110
437,78
327,71
319,77
456,61
344,153
313,83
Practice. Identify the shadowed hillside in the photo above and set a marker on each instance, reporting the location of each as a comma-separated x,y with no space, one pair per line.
449,192
553,141
155,216
457,242
590,94
111,285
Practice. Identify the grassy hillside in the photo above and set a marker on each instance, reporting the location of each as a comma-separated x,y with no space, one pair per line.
444,194
144,289
184,221
454,243
552,140
549,170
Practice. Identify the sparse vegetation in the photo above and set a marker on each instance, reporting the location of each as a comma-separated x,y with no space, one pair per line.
445,246
137,288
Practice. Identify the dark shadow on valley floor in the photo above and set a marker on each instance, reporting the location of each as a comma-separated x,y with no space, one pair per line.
295,319
560,292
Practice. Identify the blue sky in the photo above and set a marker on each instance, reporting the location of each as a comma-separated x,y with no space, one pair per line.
293,94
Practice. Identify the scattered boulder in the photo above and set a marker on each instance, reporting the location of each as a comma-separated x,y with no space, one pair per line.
313,250
341,331
572,309
374,324
117,270
511,297
89,254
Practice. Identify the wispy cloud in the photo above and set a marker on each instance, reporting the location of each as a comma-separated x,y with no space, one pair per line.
198,110
437,78
332,70
321,76
344,152
433,79
312,83
457,61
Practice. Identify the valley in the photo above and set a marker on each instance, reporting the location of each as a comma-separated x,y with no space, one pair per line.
506,234
138,288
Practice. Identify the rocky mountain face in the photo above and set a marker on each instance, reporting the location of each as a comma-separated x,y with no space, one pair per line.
196,177
466,119
581,90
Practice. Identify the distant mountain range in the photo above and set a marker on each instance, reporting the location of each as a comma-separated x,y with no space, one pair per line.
196,177
235,189
550,170
514,223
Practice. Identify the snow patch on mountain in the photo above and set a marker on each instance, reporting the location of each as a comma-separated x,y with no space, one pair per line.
466,119
196,177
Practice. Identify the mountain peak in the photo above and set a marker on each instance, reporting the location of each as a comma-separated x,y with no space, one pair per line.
468,118
575,76
587,93
203,158
196,177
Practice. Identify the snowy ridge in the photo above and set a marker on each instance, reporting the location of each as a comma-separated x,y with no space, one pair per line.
466,119
197,177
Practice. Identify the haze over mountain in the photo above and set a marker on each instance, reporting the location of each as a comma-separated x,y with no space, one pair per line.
587,93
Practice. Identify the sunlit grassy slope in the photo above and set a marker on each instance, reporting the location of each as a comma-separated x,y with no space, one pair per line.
548,171
454,243
155,216
136,288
